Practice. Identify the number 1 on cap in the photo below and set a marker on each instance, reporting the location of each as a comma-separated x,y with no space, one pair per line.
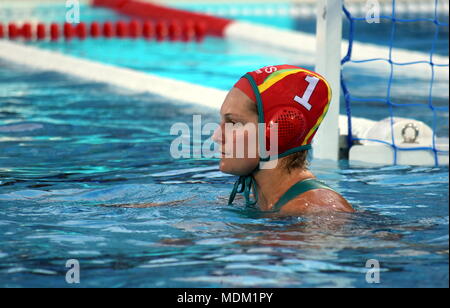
304,101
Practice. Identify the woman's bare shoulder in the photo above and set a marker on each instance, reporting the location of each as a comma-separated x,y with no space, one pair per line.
318,200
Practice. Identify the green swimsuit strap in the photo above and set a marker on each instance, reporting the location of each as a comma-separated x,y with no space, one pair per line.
298,189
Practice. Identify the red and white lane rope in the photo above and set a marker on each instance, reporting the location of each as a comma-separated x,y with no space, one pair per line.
174,30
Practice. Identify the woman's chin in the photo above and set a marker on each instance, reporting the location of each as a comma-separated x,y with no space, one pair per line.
224,167
235,168
228,166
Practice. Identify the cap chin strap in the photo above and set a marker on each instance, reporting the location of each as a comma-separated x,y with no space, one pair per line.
244,185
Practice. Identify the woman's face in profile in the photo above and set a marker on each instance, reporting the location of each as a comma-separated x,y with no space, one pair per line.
237,135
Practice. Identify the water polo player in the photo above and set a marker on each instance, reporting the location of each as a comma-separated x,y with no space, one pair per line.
293,101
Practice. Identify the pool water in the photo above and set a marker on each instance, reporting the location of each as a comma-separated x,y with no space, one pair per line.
75,156
72,152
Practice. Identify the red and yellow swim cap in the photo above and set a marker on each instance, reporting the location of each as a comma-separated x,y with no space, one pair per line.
295,98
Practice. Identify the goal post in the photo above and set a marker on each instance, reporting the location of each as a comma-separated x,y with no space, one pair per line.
328,64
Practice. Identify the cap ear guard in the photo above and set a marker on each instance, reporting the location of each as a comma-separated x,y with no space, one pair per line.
291,127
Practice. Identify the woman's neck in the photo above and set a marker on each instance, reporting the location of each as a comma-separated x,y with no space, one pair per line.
273,183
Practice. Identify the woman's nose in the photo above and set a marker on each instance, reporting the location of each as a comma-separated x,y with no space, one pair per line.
217,136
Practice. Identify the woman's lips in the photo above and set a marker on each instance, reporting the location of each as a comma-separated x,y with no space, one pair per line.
225,154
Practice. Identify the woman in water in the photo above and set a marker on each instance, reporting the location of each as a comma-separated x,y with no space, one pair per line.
291,101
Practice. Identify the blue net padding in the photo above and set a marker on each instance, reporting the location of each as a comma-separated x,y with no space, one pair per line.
438,27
